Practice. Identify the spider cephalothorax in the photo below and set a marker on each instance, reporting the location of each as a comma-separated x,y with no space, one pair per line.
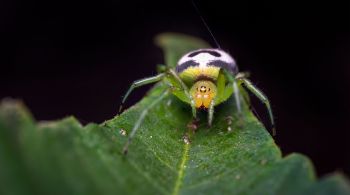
203,92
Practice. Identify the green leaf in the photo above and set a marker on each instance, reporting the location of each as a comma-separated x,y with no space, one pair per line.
64,157
175,45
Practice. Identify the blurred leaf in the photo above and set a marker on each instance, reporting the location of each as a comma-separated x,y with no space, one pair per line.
63,157
175,45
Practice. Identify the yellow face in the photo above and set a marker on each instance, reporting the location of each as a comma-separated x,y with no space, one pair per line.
203,92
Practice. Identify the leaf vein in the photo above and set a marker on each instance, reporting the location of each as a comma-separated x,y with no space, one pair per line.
182,167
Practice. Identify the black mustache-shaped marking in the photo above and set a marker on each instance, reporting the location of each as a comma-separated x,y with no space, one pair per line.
222,64
185,65
218,63
213,53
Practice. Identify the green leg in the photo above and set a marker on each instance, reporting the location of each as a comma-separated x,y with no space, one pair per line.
211,113
236,91
187,93
237,95
141,118
262,98
140,83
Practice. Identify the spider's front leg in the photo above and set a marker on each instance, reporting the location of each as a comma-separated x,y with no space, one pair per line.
262,97
211,113
139,83
228,86
184,90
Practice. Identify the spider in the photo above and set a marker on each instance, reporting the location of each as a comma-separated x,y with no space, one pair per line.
202,78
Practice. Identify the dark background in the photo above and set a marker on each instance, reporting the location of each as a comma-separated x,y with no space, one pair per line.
78,58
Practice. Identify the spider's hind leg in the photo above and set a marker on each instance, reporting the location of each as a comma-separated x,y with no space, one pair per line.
142,117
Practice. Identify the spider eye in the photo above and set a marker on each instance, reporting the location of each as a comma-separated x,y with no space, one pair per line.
203,89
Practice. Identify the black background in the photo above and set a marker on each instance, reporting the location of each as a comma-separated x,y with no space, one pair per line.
78,58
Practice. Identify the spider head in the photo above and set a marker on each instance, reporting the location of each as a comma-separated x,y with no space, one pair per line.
203,92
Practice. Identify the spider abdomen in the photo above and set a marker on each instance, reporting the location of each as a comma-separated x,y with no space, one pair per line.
204,63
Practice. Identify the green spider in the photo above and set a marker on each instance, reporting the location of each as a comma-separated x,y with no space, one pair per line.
202,78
